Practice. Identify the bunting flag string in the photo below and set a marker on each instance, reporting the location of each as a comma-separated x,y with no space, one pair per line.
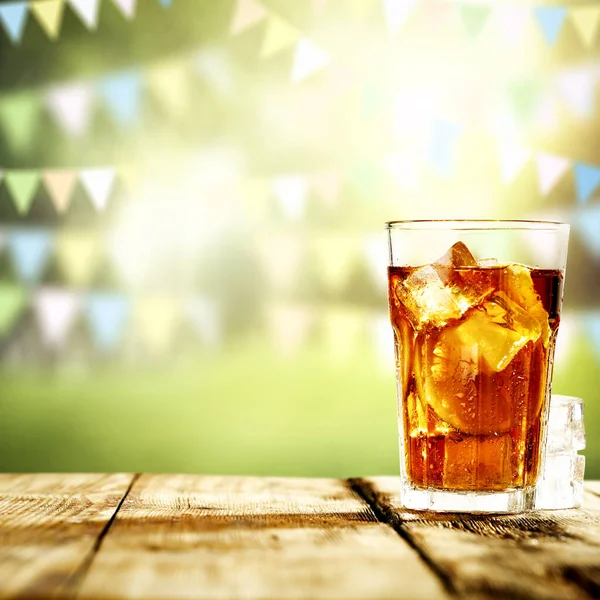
23,185
30,250
107,315
56,311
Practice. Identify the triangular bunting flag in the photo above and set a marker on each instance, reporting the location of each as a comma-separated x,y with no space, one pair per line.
586,19
71,106
510,22
121,93
308,59
205,317
328,185
396,12
474,17
60,184
12,304
19,114
156,319
550,169
13,15
588,226
578,89
291,192
512,161
524,96
216,70
279,35
442,146
29,250
98,184
56,311
551,20
77,253
22,186
290,326
281,257
127,7
49,15
170,84
87,10
107,314
587,179
247,14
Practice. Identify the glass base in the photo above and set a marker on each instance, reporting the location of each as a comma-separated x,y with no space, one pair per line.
509,501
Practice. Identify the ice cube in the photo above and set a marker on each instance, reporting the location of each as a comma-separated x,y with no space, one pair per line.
487,262
437,293
519,286
561,481
565,425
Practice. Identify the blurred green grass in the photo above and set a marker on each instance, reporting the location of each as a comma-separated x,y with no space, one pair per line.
244,411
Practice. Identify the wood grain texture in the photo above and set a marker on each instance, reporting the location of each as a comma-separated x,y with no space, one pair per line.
541,555
49,527
184,536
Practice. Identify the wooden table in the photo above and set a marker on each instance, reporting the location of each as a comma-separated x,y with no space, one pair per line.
188,536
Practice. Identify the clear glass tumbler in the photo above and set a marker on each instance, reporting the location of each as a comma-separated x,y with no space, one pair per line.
475,308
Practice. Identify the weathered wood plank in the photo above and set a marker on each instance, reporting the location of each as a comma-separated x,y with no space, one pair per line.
49,528
184,536
540,555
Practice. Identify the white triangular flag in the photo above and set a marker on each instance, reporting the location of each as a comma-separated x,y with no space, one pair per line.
56,311
87,10
577,88
308,59
127,7
71,106
550,169
510,21
512,160
396,13
291,191
98,184
290,326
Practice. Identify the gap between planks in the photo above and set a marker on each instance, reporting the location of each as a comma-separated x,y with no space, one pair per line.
76,580
366,492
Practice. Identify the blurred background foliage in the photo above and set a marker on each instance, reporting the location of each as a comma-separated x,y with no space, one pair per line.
192,257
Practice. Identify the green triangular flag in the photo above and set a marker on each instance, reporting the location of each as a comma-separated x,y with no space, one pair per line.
12,303
474,17
19,114
22,186
524,97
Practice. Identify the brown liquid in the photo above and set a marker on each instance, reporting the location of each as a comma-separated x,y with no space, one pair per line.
472,388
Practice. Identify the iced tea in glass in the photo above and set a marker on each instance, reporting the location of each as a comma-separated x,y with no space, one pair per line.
475,329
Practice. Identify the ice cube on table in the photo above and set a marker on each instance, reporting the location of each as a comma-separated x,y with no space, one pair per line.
561,481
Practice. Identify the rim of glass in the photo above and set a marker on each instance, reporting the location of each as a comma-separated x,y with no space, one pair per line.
475,224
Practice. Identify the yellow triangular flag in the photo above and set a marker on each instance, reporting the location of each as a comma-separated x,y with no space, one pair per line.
60,185
78,254
49,15
170,83
156,319
279,35
586,20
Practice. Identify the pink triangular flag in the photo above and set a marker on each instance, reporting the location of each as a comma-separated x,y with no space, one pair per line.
60,184
550,169
56,311
127,7
577,88
512,160
71,106
247,14
511,21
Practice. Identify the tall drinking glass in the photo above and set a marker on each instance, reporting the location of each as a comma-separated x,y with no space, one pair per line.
475,308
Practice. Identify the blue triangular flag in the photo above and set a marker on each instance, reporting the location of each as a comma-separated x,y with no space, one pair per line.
442,144
587,179
551,20
30,249
122,95
166,3
13,16
107,314
588,226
